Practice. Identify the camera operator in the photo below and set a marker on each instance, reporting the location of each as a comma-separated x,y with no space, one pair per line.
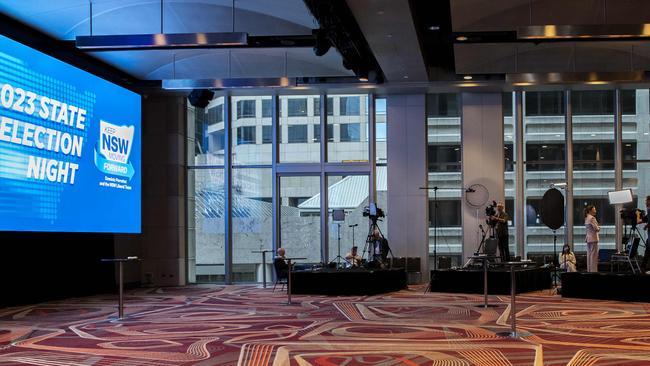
644,218
500,222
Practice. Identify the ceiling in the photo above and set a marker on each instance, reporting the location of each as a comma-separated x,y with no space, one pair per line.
66,19
411,42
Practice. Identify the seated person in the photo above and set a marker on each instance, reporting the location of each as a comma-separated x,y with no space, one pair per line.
567,259
353,258
280,264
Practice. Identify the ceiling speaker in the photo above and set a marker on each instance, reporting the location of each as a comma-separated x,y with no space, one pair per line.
200,97
553,209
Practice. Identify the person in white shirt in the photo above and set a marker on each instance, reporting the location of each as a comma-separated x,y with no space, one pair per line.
591,238
353,258
567,259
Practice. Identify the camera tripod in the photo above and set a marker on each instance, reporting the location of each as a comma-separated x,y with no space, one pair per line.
631,240
374,255
338,257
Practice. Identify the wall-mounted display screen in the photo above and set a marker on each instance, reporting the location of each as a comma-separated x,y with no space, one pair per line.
69,147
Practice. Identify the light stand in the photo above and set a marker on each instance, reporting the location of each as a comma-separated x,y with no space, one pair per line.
555,259
338,257
435,228
353,226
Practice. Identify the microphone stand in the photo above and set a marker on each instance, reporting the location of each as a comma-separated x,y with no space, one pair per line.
435,228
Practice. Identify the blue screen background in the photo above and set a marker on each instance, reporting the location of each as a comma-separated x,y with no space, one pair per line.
28,204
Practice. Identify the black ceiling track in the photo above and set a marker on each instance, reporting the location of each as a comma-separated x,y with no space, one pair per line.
339,28
432,21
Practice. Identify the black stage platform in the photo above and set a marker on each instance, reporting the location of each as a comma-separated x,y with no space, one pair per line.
606,286
348,281
470,281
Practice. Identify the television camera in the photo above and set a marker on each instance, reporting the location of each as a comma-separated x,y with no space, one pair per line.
633,216
490,211
373,212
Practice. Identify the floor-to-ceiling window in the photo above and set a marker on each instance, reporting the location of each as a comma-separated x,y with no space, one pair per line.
444,172
300,217
347,128
593,162
544,156
299,134
252,210
381,177
205,192
636,149
509,157
251,124
347,196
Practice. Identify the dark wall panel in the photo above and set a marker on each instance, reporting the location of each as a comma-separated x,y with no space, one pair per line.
37,267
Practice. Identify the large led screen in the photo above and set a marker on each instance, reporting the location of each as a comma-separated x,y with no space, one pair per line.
69,147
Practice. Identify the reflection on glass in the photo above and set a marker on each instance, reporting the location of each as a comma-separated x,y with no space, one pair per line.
251,223
206,235
205,142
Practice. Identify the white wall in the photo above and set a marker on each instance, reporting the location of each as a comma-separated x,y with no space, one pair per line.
407,172
482,157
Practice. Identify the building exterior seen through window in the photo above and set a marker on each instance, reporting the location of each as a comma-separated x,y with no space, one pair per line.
347,136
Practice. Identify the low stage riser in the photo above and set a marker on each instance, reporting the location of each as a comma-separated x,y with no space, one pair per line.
606,286
471,281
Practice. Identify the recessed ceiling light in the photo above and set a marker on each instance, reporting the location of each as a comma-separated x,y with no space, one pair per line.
381,12
363,79
544,146
434,27
467,77
389,35
461,38
406,76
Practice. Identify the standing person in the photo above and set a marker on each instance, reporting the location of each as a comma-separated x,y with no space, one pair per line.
646,254
567,259
592,229
500,221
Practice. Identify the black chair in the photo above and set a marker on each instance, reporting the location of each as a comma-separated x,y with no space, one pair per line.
281,273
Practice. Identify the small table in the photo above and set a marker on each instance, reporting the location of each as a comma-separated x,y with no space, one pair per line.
120,262
484,259
513,302
289,277
263,264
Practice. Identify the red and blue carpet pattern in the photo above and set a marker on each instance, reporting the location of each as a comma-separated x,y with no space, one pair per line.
249,326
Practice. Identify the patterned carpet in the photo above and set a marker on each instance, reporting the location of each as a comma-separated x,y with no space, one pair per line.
249,326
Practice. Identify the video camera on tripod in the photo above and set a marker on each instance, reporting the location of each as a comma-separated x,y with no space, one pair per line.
376,244
490,211
633,216
373,212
